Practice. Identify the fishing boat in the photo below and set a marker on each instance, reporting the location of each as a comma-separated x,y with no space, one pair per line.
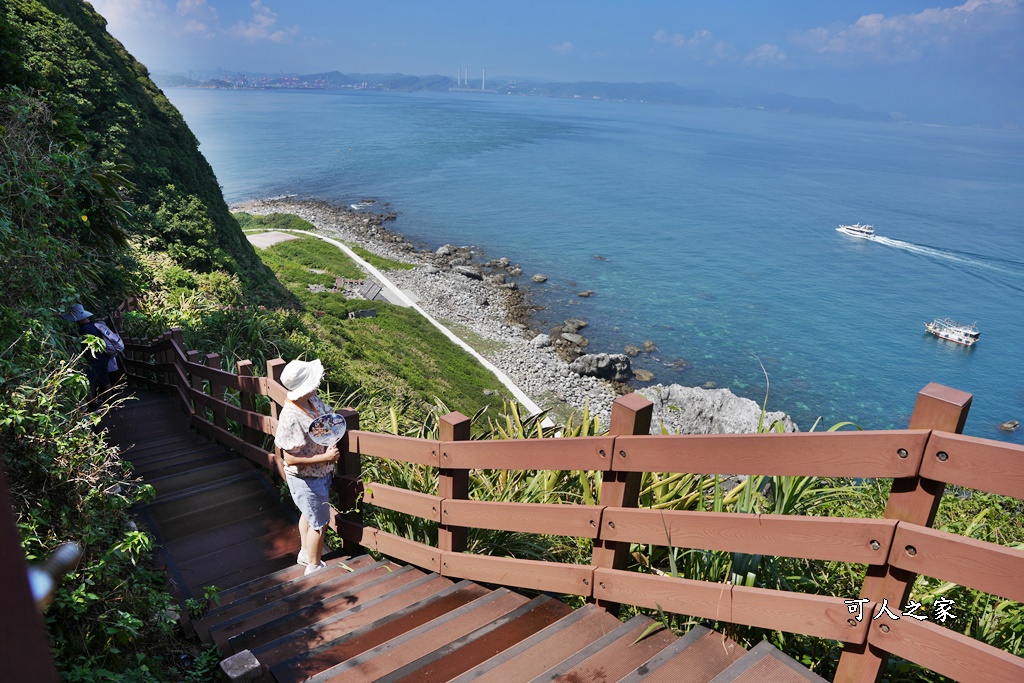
857,230
951,330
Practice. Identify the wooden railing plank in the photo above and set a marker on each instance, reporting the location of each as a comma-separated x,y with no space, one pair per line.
945,651
531,518
573,579
832,454
675,595
257,421
839,539
250,451
401,500
214,374
823,616
403,448
975,463
412,552
580,453
987,567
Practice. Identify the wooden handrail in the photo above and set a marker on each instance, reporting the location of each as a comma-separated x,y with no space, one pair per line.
920,460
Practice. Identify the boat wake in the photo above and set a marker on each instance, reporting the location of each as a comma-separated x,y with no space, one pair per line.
959,258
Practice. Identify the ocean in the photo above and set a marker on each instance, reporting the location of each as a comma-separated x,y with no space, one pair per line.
709,232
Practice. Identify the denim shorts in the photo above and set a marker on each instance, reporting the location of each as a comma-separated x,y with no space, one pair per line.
311,497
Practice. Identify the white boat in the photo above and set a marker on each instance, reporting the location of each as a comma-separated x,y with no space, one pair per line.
951,330
857,230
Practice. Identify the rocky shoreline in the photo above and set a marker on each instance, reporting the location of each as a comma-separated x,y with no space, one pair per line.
481,302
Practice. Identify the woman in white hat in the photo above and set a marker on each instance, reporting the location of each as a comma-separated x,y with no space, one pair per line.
308,465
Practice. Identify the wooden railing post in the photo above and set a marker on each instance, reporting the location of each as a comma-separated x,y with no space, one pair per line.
243,368
220,418
165,359
348,481
453,483
914,500
196,382
631,414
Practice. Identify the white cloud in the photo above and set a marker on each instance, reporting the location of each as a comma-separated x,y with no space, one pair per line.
701,45
129,12
766,55
906,37
261,26
562,48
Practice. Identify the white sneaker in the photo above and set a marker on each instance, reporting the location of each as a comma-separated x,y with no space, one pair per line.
301,558
310,568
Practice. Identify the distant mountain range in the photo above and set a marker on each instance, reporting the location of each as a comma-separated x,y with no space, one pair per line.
658,93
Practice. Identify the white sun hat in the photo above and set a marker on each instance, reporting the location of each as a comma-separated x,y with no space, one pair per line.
301,377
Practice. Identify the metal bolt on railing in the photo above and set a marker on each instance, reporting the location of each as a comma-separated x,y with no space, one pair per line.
911,550
601,584
875,545
611,524
943,456
622,454
885,628
902,453
603,454
852,623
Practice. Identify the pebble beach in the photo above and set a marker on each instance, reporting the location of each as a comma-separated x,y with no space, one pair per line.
495,314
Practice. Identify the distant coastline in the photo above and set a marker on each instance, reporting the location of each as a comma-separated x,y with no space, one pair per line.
649,93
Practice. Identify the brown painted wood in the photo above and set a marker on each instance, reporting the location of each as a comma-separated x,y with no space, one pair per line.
706,655
310,660
823,616
631,630
975,463
823,538
816,615
912,499
421,555
631,414
197,473
211,539
833,454
945,651
400,500
306,616
545,649
620,657
452,483
574,579
582,453
489,640
531,518
988,567
254,453
391,656
318,587
264,424
402,448
334,629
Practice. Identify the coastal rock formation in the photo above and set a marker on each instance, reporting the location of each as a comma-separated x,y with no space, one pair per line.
468,271
692,410
642,375
539,277
632,351
614,367
649,346
586,294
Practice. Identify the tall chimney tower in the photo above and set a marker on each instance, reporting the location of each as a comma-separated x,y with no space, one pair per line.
483,78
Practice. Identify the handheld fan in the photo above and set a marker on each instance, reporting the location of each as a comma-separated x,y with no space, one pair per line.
327,430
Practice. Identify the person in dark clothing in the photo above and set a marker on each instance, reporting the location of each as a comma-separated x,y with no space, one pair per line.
98,372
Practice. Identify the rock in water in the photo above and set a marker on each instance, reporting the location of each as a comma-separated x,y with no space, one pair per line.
539,277
604,366
643,375
707,411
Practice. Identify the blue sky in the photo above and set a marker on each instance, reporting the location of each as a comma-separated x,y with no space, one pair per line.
960,61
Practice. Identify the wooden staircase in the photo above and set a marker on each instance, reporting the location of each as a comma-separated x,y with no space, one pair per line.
221,522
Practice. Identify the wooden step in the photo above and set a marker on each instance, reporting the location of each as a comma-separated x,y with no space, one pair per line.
764,663
292,571
697,657
617,656
308,661
211,539
542,651
374,664
209,570
195,473
276,642
487,641
253,600
325,585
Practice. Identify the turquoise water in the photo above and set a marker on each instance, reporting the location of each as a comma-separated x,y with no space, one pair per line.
718,227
